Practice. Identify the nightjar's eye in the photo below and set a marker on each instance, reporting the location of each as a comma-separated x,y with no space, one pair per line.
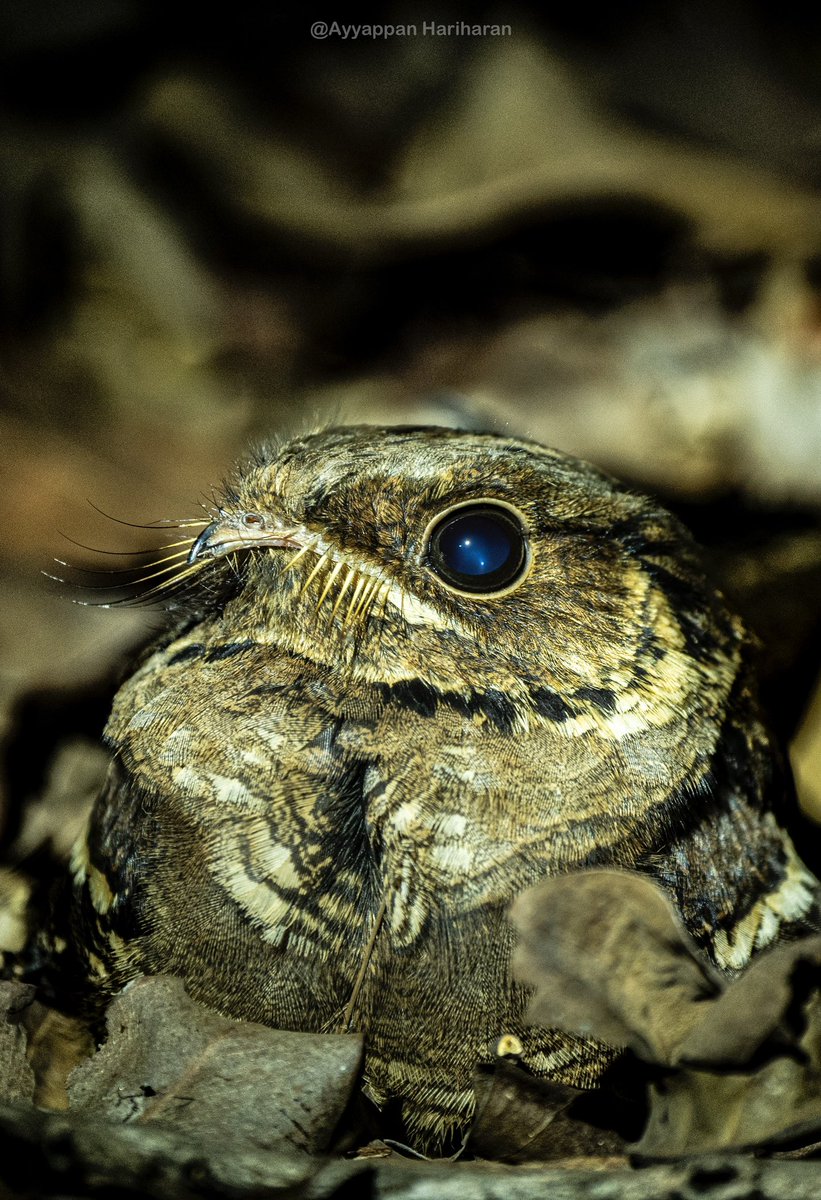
253,520
478,548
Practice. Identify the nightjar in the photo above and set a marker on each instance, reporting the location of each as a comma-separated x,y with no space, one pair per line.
416,671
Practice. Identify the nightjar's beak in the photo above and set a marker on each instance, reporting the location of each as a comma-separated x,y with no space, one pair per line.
242,531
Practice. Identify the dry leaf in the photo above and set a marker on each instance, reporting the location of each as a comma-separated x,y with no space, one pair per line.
57,1043
520,1119
170,1060
609,959
740,1061
16,1076
775,1104
761,1013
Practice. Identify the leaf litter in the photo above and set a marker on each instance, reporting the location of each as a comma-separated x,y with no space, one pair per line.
728,1064
710,1065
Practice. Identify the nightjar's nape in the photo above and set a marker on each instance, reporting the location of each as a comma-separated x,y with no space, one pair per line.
415,672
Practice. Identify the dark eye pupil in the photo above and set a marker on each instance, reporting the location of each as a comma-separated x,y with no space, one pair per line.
476,545
479,549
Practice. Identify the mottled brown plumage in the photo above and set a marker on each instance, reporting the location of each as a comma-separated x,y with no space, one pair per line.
338,769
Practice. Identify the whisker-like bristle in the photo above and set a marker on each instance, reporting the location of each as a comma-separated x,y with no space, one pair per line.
293,561
233,563
164,524
368,593
382,601
179,556
168,587
357,592
376,592
125,553
346,583
329,582
112,587
323,559
59,579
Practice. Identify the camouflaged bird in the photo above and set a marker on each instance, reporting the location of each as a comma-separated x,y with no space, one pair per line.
418,671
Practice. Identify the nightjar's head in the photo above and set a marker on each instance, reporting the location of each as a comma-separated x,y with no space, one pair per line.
465,562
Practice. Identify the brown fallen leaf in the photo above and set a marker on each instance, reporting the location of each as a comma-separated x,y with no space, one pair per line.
739,1061
170,1061
16,1076
523,1119
375,1149
609,959
772,1104
761,1014
57,1043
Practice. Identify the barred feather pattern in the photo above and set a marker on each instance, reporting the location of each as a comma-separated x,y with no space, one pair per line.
330,780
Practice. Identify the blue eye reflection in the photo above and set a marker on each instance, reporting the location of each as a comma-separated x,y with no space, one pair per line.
478,548
476,545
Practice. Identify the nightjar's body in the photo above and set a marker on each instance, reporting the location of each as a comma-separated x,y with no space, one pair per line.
330,783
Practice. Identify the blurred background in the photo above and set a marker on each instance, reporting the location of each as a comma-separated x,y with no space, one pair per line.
600,230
